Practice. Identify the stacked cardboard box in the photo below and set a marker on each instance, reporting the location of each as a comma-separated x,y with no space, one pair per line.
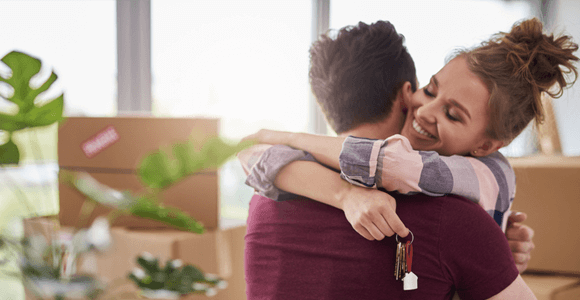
110,149
547,191
553,287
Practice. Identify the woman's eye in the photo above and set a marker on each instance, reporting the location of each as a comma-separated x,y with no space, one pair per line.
429,94
451,116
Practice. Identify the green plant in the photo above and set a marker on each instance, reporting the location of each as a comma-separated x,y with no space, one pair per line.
47,264
30,112
173,277
158,171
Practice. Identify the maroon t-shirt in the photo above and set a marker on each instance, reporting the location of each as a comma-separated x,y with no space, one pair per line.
302,249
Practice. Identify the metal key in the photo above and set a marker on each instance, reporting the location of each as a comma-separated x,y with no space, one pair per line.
398,260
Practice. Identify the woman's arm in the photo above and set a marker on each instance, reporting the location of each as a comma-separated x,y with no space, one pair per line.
370,212
395,166
325,149
278,171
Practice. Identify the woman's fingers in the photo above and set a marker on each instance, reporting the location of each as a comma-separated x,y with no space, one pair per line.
363,231
382,225
370,226
394,222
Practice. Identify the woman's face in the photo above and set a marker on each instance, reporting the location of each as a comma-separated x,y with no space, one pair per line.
450,114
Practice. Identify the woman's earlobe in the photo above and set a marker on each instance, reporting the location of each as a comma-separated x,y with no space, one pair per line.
487,148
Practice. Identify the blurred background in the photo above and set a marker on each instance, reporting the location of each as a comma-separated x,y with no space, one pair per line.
246,62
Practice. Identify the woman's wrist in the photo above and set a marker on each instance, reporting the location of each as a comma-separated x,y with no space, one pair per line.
295,140
340,194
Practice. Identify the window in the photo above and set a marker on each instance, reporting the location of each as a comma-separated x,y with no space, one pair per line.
245,62
76,39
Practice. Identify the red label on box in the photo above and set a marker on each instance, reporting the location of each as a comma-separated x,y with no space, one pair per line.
100,141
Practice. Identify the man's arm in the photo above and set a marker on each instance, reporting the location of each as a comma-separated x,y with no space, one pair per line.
520,240
518,289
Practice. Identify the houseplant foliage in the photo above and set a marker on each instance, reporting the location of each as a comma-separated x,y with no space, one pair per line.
174,279
158,171
30,113
48,262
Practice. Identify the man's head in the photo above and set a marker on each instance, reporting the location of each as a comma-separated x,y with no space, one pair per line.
356,75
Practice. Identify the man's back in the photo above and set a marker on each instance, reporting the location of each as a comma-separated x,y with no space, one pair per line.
302,249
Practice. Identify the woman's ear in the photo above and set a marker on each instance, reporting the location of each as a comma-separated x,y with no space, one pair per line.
487,147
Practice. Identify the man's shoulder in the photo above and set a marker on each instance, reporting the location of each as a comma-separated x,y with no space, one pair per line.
453,210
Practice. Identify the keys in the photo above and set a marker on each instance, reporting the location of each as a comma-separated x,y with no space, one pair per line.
404,264
400,262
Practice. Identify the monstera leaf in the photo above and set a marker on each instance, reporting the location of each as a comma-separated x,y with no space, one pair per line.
30,114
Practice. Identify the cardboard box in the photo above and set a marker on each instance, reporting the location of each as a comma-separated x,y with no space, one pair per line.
219,252
553,287
110,149
548,191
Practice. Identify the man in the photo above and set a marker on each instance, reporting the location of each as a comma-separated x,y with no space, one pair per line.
299,245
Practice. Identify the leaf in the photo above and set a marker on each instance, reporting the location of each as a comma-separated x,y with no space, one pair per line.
162,169
9,153
158,170
24,67
145,206
149,208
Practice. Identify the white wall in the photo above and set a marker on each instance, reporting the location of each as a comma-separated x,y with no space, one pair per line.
565,17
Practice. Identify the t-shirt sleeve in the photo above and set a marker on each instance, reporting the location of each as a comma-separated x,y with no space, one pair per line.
476,273
392,164
263,162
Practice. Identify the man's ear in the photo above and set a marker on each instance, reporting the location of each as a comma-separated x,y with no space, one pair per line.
405,94
486,147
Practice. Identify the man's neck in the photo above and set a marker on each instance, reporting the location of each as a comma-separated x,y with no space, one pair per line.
381,130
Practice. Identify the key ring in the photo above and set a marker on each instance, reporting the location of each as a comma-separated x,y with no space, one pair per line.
412,236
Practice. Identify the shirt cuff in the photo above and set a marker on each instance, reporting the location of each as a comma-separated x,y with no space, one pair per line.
358,160
264,172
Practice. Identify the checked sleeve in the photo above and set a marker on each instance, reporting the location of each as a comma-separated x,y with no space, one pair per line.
263,162
392,164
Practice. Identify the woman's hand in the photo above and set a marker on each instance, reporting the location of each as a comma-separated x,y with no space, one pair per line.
273,137
372,213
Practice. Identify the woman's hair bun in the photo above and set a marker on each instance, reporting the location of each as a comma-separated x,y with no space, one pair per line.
518,67
542,60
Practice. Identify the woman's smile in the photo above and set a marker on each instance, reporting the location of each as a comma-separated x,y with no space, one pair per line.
422,131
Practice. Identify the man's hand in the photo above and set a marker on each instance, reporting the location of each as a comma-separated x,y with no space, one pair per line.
520,240
372,213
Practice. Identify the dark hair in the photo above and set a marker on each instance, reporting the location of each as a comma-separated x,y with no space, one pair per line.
518,67
356,75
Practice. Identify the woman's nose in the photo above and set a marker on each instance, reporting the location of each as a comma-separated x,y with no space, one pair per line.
427,112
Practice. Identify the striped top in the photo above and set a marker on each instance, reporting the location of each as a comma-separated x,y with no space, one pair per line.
393,165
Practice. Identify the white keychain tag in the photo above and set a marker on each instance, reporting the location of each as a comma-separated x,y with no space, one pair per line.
410,281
